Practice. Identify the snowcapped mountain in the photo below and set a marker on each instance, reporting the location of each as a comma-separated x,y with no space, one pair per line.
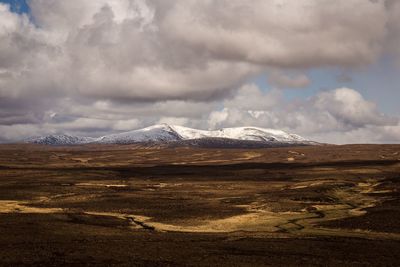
155,133
164,133
62,139
241,133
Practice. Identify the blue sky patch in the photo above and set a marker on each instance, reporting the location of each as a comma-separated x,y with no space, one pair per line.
17,6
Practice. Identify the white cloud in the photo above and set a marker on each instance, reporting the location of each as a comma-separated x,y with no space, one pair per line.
92,67
339,116
126,125
218,118
349,107
184,49
330,116
173,120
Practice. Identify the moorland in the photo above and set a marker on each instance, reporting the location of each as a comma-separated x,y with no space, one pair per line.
134,205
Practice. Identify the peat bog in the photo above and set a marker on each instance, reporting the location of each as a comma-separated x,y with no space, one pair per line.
133,205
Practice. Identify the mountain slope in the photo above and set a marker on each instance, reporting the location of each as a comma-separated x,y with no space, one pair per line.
155,133
62,139
239,133
164,133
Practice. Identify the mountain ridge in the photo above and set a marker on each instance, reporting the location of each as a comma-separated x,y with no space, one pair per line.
176,135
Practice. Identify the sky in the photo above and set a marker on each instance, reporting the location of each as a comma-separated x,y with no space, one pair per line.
326,70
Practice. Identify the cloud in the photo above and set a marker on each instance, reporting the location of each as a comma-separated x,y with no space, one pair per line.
199,50
173,120
282,80
350,108
339,116
92,67
126,125
393,28
218,117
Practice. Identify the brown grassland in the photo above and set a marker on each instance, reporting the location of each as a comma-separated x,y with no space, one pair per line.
158,206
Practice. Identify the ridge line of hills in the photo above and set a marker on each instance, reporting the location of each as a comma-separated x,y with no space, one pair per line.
251,137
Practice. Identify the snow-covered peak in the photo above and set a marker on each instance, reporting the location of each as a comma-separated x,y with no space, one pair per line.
189,133
155,133
239,133
171,133
258,134
159,127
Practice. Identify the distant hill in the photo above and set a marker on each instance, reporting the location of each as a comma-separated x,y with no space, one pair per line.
246,137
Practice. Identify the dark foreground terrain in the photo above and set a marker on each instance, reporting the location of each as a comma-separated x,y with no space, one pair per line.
137,206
